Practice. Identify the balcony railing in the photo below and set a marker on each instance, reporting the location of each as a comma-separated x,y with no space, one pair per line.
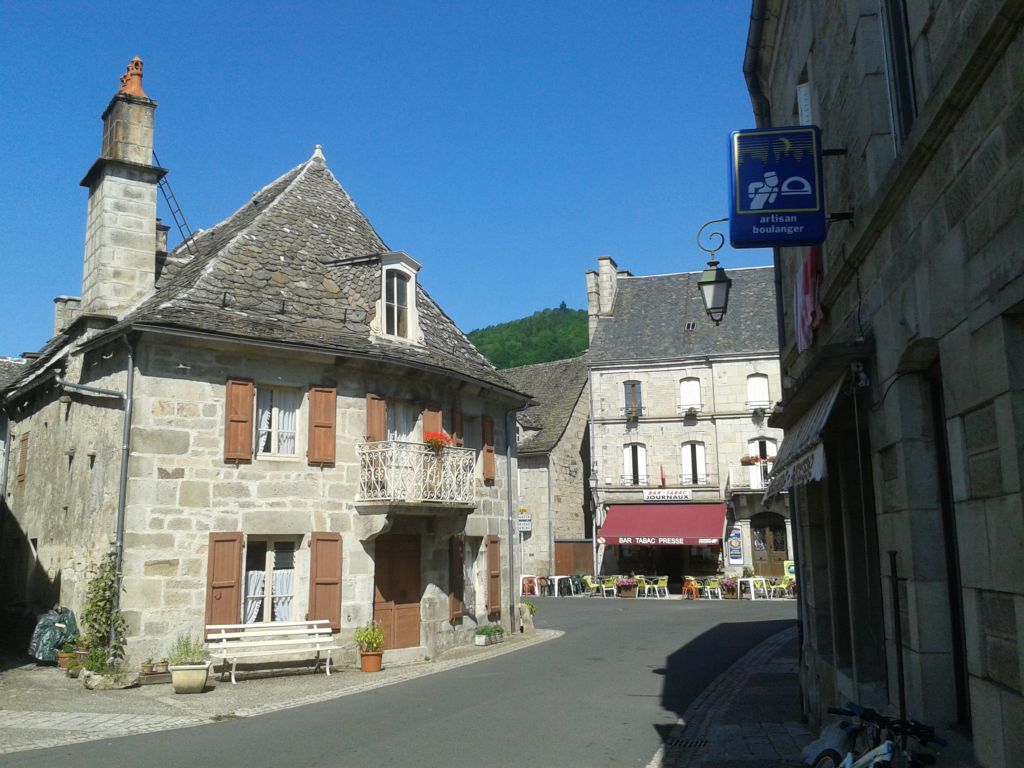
654,481
692,479
754,476
632,411
413,473
685,408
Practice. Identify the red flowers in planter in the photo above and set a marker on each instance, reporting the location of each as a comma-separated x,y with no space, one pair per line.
437,440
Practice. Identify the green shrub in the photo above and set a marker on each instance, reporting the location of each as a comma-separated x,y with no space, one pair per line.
96,661
531,607
105,627
188,649
490,629
370,637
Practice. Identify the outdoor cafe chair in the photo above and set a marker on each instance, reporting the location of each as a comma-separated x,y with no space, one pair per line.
690,588
759,584
608,586
592,587
713,588
644,587
784,586
661,587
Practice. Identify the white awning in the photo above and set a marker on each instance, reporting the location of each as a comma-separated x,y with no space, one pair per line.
801,458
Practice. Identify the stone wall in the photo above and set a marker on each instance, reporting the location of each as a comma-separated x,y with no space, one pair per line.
931,270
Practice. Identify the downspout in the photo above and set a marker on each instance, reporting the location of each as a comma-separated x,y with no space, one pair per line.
593,474
122,486
551,526
513,591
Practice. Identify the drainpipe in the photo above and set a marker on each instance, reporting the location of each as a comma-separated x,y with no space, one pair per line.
513,591
126,431
593,474
551,525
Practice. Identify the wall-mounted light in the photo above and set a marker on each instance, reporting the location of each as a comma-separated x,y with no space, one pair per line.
713,283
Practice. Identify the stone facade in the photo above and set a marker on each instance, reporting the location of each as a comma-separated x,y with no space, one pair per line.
922,295
730,382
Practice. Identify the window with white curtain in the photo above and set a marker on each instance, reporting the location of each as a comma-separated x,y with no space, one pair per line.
757,391
694,467
689,395
269,580
634,464
402,417
764,449
276,420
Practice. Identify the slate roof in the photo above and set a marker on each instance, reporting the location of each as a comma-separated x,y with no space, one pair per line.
650,314
299,264
10,369
556,388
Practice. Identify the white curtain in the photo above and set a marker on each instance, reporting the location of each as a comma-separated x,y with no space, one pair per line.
253,595
689,393
757,389
287,407
282,595
264,405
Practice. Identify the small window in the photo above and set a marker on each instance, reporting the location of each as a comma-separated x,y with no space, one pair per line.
396,304
634,464
900,68
757,391
691,325
269,581
689,395
23,457
276,418
694,467
634,405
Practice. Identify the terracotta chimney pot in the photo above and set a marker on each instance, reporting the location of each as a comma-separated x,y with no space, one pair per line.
131,80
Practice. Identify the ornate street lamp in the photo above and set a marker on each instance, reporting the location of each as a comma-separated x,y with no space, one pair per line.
713,283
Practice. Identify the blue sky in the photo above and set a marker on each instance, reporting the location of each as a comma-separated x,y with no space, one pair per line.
505,146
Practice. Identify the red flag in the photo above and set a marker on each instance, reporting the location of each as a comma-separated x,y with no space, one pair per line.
663,476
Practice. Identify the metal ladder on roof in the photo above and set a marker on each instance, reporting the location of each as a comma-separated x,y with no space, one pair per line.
176,213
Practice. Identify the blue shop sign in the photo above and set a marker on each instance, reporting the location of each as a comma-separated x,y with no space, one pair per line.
776,192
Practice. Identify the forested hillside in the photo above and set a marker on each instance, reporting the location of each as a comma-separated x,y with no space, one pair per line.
551,334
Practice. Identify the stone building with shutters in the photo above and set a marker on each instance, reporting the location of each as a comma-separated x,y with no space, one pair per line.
902,341
678,424
243,419
553,452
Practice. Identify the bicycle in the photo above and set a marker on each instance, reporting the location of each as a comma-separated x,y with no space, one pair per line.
877,740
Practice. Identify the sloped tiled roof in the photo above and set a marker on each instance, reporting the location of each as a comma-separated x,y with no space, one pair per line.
650,315
556,388
300,264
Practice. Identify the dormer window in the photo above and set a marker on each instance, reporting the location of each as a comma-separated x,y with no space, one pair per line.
396,303
397,316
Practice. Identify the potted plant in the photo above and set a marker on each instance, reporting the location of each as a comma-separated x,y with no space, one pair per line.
691,413
66,654
189,664
370,639
759,414
437,441
161,666
750,461
74,668
489,634
147,666
626,587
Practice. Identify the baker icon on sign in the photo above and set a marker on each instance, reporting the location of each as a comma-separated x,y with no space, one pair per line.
763,193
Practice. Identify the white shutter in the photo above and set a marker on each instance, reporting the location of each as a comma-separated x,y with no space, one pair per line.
757,389
689,393
641,463
702,470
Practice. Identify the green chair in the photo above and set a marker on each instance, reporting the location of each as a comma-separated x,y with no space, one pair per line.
661,587
759,584
713,588
608,586
592,587
783,586
644,588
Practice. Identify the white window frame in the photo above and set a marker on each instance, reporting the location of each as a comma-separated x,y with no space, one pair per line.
759,393
398,263
628,476
686,401
265,612
277,415
693,452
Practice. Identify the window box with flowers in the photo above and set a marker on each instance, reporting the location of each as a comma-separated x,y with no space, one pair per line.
625,587
437,441
750,461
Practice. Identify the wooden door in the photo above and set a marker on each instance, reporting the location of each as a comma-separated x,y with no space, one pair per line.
770,547
396,589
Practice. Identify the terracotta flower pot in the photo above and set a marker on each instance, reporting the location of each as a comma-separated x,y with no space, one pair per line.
370,661
64,659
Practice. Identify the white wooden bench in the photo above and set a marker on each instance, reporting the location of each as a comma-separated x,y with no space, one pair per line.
231,642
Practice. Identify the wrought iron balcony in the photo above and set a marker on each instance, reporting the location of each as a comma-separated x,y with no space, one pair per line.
753,476
688,478
414,473
632,412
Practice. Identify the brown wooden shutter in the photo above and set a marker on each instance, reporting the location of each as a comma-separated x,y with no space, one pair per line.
22,457
238,420
488,450
456,578
458,430
224,579
432,418
376,418
325,578
493,577
322,417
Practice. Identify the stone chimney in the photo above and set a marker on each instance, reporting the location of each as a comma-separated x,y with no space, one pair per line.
600,291
65,310
121,233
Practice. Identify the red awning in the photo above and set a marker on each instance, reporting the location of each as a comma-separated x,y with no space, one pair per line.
663,524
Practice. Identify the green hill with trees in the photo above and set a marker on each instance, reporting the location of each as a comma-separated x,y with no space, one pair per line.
551,334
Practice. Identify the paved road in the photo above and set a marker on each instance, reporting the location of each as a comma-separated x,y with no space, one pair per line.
605,694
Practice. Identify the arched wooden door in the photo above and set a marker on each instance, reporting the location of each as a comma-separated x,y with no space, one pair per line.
396,589
769,544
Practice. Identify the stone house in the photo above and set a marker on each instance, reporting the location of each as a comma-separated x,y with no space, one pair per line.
553,452
912,545
677,406
243,419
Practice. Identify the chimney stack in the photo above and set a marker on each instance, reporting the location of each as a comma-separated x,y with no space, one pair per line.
121,233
